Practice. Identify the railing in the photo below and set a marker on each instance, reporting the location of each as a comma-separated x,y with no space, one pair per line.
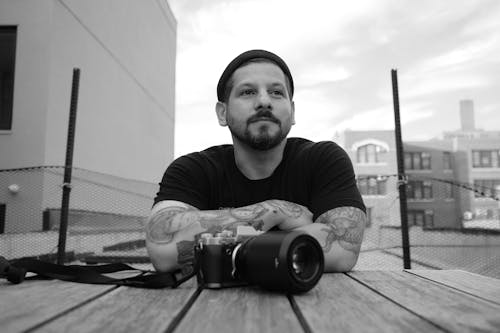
452,224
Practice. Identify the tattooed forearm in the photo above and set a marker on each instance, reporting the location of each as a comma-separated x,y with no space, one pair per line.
160,227
344,225
289,209
248,213
165,224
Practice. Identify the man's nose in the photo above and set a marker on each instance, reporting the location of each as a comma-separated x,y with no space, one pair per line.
263,100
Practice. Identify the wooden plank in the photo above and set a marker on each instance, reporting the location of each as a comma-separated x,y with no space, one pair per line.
247,309
481,286
126,310
340,304
447,308
32,302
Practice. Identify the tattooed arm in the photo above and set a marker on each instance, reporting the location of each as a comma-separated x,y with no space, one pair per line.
173,225
340,232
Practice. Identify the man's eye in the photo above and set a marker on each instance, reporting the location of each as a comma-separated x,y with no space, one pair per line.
246,92
277,92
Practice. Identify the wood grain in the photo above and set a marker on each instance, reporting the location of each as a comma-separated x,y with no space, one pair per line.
247,309
126,310
446,307
25,305
481,286
340,304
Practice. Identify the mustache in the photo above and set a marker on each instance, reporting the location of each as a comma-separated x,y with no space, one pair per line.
263,114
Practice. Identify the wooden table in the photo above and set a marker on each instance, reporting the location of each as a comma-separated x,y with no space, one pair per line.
360,301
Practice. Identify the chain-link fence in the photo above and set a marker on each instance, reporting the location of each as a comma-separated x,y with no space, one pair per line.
106,214
452,225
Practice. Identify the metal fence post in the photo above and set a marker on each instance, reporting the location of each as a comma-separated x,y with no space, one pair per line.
402,179
66,186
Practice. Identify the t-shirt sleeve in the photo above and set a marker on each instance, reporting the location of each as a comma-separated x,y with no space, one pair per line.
333,180
184,181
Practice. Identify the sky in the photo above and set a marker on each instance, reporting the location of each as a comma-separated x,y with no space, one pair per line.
341,54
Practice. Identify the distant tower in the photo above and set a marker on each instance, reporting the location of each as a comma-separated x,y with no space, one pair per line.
467,115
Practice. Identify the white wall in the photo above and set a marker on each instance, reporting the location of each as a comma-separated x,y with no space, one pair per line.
24,145
126,52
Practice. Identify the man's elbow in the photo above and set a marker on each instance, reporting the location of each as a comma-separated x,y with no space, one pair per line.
163,258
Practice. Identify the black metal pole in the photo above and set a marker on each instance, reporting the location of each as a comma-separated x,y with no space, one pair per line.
402,179
63,227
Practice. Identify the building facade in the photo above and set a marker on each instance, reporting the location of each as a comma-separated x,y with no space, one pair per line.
477,154
452,182
432,199
373,154
126,52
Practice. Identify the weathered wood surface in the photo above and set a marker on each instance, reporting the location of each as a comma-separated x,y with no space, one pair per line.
126,310
361,301
340,304
30,303
448,308
248,309
474,284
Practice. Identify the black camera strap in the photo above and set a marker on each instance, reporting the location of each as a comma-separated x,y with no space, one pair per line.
16,270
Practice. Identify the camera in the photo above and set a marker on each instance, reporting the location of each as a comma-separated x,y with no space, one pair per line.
284,261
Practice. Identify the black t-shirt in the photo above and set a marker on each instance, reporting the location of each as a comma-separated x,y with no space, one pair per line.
318,176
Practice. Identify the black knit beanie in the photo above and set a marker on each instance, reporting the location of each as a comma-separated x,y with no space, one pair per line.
246,56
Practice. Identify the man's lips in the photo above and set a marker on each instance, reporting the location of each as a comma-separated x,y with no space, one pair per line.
264,119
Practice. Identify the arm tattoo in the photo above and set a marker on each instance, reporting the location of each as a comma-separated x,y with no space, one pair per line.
159,229
289,209
185,252
232,226
217,221
248,213
344,225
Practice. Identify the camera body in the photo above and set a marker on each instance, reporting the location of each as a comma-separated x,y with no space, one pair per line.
215,255
286,261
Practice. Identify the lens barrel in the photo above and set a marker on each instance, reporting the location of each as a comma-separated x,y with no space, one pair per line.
282,261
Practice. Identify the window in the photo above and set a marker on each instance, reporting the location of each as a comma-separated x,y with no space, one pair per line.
418,190
448,191
417,161
372,185
422,218
7,63
446,160
370,153
487,188
485,158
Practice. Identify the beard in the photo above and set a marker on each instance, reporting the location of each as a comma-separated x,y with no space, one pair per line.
264,138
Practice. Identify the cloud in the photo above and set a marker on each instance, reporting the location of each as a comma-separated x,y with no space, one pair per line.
323,72
383,118
462,55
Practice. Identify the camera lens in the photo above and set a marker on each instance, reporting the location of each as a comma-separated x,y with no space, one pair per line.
282,261
305,262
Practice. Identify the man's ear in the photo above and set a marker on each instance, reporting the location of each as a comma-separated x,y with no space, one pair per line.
293,112
221,111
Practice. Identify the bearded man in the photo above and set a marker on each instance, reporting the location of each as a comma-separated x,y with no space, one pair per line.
264,179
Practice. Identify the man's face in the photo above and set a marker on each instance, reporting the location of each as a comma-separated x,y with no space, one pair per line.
259,112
